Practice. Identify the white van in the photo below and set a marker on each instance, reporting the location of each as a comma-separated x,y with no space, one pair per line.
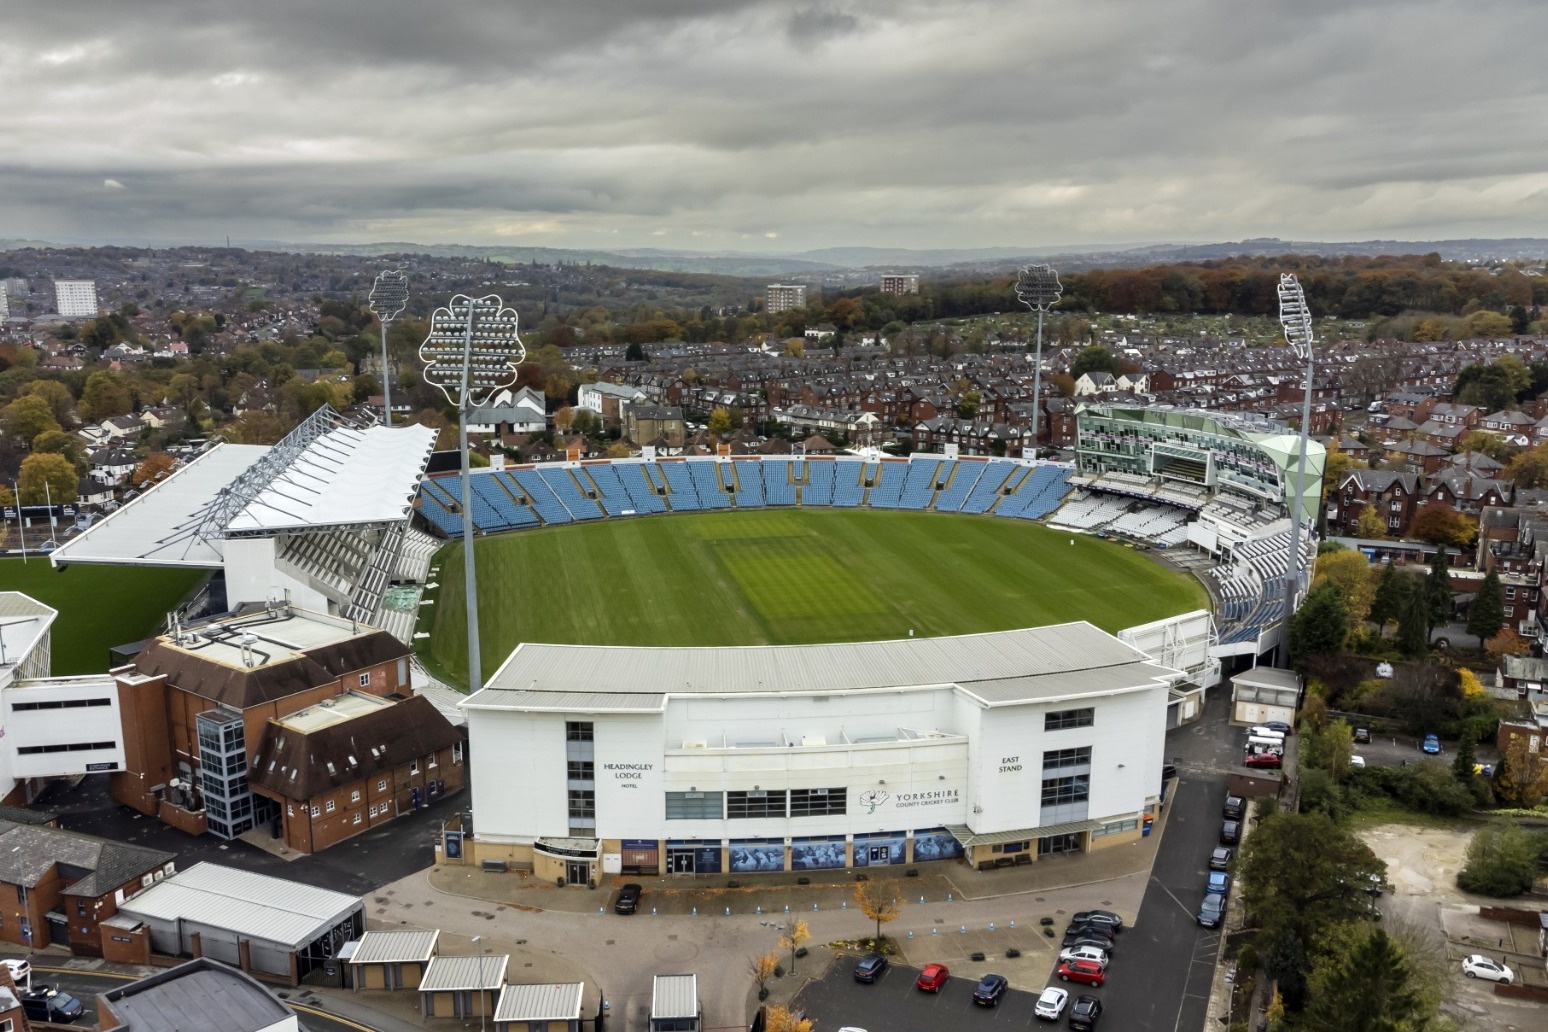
1260,744
1266,732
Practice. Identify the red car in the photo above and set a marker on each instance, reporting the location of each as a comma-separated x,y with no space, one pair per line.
1088,971
932,978
1266,759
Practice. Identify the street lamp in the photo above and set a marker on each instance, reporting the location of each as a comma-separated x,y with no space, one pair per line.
1295,317
476,940
389,296
472,351
1038,287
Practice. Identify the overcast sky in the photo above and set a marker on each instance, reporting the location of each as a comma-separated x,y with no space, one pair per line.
772,126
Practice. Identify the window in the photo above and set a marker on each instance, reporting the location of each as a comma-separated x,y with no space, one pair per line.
1058,720
456,752
21,894
331,806
817,802
1062,791
316,812
583,803
756,803
693,806
60,704
581,770
373,811
1510,593
1012,847
354,796
430,761
33,750
357,818
413,767
578,730
365,680
1054,759
381,786
1115,828
80,907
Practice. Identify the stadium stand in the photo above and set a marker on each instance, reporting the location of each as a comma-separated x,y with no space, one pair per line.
682,496
542,498
990,486
609,489
706,479
888,492
963,477
749,484
570,495
820,486
641,488
779,477
849,483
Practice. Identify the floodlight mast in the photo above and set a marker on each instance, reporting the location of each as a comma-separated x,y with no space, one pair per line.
472,351
389,296
1295,317
1038,287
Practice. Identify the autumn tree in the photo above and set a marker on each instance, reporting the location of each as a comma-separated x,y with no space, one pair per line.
795,347
152,468
793,936
58,397
880,901
719,424
762,968
1351,571
27,417
783,1019
1370,525
1506,643
1486,616
1521,776
564,418
106,395
1442,525
1529,469
50,469
618,450
68,445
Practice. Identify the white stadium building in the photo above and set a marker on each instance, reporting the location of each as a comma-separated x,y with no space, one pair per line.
998,747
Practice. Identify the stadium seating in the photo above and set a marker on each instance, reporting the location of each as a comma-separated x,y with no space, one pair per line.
749,484
641,488
414,559
544,502
888,490
987,491
706,479
779,476
849,479
610,489
820,485
681,493
963,478
567,489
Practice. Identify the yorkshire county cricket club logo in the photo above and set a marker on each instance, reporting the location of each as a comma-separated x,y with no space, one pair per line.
873,798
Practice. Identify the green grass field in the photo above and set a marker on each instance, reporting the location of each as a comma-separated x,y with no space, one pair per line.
789,577
99,606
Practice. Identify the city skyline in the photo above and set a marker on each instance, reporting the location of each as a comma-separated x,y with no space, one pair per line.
773,127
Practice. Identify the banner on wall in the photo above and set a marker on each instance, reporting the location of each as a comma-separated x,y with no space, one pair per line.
878,850
752,855
935,844
817,853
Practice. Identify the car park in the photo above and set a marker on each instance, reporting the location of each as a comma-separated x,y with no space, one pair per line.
628,899
1091,953
870,967
1050,1005
1220,858
989,990
1098,919
933,978
1212,910
1085,971
44,1003
1479,966
1085,1014
1431,745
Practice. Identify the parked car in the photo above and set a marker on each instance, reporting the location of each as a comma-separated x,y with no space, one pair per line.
1219,883
1266,760
1212,910
989,990
1220,858
628,899
1431,745
1091,953
1278,725
1085,1014
1230,831
1362,735
1357,762
1098,919
1235,805
21,972
870,967
1050,1005
1085,935
933,978
44,1003
1085,971
1479,966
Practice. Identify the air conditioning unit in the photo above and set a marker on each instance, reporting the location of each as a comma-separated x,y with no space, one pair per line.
695,745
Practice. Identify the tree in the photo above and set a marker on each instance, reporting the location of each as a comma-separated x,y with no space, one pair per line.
61,443
1521,776
967,405
792,936
1501,861
1414,623
1370,525
564,418
1529,469
1095,359
1444,526
1505,643
1387,604
880,901
27,417
1487,615
1302,873
783,1019
762,968
1351,571
1437,589
105,396
1466,759
795,347
1362,982
719,424
56,471
1321,624
619,450
58,397
635,353
1328,748
151,468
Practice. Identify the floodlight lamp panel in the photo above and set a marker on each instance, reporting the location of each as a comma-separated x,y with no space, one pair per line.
479,334
1295,314
389,294
1038,287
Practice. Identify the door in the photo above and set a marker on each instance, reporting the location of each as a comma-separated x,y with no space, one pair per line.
578,873
680,861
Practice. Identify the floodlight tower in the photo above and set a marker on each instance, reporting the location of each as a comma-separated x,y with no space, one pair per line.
389,296
1038,287
1296,319
472,351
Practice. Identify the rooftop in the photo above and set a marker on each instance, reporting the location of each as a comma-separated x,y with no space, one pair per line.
395,947
255,906
332,711
553,1001
200,996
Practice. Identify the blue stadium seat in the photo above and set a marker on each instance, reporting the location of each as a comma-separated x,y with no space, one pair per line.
819,489
779,478
987,491
888,490
570,495
749,484
683,497
706,480
544,501
963,478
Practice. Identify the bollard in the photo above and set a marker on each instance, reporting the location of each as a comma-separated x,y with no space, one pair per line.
921,899
1013,924
695,911
652,911
787,908
962,930
948,897
991,926
844,906
728,911
600,910
760,908
910,935
934,931
814,908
